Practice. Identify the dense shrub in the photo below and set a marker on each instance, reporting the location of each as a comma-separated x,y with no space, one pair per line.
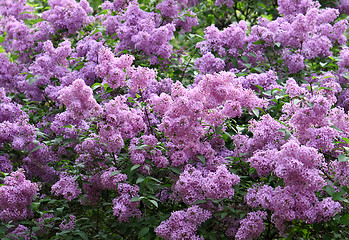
174,119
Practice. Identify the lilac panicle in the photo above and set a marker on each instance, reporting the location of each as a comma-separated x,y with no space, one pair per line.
15,196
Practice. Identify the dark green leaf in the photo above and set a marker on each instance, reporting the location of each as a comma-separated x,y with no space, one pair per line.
136,199
330,190
38,147
176,170
258,42
344,219
140,179
155,203
343,158
143,232
202,159
114,173
134,167
255,112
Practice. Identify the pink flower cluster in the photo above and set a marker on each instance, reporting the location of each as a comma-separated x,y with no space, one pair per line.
194,185
16,195
183,224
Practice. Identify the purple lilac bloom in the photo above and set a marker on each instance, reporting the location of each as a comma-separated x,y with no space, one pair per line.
183,224
252,226
16,194
66,186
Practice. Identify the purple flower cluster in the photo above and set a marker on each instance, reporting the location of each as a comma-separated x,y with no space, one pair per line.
7,71
121,122
141,30
128,116
66,186
68,14
89,150
14,126
215,98
298,166
194,185
147,31
15,8
52,63
21,232
79,100
290,203
139,155
70,224
16,195
305,32
5,164
311,121
252,226
183,224
123,208
228,3
109,179
112,69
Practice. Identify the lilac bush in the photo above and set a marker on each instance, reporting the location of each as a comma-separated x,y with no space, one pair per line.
174,119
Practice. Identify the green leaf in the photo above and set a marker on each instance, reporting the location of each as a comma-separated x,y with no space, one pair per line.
154,179
212,235
346,139
244,58
134,167
176,170
140,179
311,105
2,39
141,147
346,76
235,62
258,42
106,86
334,127
32,80
258,69
330,190
59,210
287,133
136,199
143,232
276,89
247,65
3,229
83,235
202,159
255,112
148,169
114,173
35,229
344,219
343,158
155,203
38,147
96,85
338,195
200,201
259,87
150,186
105,11
130,99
